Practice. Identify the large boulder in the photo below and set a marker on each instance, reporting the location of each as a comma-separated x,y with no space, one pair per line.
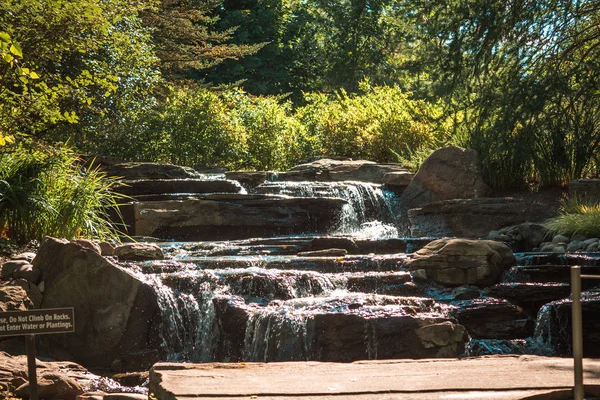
473,218
455,262
115,312
448,173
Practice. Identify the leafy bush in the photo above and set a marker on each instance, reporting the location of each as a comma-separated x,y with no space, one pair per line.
46,191
384,124
578,215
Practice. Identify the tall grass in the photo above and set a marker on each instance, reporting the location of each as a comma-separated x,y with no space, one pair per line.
578,215
47,191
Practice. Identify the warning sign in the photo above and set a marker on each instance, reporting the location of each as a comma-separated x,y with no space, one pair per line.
37,322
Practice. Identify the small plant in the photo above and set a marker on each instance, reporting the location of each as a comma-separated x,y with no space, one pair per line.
578,215
47,191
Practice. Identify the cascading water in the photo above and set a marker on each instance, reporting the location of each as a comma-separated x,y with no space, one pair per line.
370,212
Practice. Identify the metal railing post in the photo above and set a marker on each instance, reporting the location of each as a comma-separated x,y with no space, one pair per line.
578,389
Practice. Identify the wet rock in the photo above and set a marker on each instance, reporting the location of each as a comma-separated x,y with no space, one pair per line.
136,171
116,313
473,218
575,245
235,216
530,296
14,298
231,316
322,243
592,247
249,179
131,378
590,241
340,329
559,249
139,252
388,283
547,247
554,326
448,173
88,244
163,186
493,319
324,253
456,262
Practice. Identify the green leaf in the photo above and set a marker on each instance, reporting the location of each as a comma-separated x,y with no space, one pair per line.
24,80
34,75
5,37
7,57
16,50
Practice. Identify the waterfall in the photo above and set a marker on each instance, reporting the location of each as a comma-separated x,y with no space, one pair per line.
370,212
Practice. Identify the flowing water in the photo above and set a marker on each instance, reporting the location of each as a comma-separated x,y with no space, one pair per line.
262,299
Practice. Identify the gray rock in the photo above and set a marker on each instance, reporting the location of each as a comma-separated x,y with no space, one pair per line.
548,247
27,272
398,179
139,252
587,242
325,169
475,218
575,245
455,262
448,173
32,290
560,239
592,247
9,268
249,179
171,186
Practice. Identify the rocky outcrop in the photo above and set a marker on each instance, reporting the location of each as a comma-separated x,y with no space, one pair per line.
473,218
448,173
455,262
115,313
339,170
14,298
234,216
398,181
144,170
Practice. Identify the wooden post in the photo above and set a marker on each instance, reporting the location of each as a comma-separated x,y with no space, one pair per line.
576,319
33,387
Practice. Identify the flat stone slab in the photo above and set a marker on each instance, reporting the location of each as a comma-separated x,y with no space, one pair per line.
492,377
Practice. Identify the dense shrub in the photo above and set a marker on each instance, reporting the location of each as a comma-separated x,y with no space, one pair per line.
384,124
46,191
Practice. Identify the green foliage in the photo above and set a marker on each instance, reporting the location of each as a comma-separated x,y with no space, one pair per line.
384,124
578,215
46,191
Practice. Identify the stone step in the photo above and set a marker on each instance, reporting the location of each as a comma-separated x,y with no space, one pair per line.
530,296
289,263
171,186
550,273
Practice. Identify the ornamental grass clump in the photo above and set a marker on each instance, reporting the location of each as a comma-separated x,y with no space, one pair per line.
578,215
47,191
